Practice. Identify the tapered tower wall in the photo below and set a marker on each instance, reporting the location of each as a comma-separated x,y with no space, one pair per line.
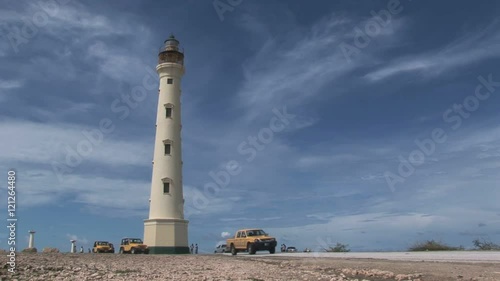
165,231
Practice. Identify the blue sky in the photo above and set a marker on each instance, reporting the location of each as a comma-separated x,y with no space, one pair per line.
365,83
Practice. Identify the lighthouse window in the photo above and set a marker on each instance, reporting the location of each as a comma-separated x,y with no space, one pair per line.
170,81
166,187
167,148
168,110
166,184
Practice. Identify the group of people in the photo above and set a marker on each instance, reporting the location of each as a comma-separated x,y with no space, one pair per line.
194,249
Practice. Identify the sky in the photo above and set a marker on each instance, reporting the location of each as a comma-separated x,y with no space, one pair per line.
370,123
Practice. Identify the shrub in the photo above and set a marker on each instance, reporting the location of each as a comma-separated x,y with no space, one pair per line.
30,250
339,248
50,250
431,245
484,245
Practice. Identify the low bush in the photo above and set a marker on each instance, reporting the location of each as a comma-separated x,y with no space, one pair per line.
431,245
339,248
485,245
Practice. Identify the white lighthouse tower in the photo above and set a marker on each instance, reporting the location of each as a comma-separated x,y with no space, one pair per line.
166,231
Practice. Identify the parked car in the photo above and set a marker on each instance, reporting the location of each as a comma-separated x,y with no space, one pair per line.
291,249
251,241
220,249
133,246
103,247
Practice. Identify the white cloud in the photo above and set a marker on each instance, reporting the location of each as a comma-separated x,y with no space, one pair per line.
318,160
55,141
80,29
68,19
457,54
118,63
292,68
8,85
11,84
288,73
98,195
250,219
79,240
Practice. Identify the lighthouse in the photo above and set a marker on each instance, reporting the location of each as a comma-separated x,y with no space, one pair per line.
166,230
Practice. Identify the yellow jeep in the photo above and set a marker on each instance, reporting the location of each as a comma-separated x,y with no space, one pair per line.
103,247
133,246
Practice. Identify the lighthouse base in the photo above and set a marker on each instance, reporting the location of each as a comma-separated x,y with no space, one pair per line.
166,236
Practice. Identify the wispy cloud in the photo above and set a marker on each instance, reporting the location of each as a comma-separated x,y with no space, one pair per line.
250,219
11,84
107,193
67,20
312,161
471,48
116,62
56,140
290,71
8,85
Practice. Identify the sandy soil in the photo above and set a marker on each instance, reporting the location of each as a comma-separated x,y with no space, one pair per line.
223,267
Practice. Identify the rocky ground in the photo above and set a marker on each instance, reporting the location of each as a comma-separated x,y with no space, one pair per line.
55,266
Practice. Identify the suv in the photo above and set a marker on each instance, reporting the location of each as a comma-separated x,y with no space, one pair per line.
133,246
251,241
220,249
103,247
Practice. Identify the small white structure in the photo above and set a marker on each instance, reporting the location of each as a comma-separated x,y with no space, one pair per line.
73,246
31,242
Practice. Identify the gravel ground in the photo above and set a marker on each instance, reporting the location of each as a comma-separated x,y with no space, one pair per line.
446,256
222,267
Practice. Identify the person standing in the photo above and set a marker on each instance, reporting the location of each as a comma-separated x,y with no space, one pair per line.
191,248
196,249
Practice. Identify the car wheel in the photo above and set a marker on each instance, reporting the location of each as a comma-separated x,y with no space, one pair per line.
251,249
133,251
233,250
121,251
272,250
